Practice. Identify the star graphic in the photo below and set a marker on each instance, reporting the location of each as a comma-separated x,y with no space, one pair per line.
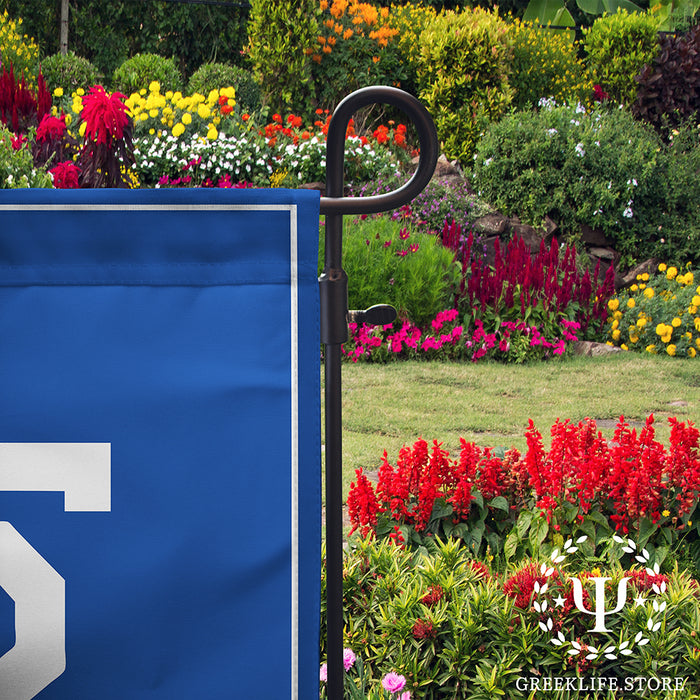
639,601
559,601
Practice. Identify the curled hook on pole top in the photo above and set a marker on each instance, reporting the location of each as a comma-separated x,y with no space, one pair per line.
334,202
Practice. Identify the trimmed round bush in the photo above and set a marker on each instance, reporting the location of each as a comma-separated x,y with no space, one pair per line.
214,76
69,72
137,73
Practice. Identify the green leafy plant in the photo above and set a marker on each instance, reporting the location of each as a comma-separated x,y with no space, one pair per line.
69,72
463,71
17,168
658,314
388,262
546,64
453,628
596,168
139,71
281,37
617,47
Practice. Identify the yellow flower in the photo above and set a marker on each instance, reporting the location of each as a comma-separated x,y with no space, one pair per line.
616,335
665,513
671,350
634,287
692,309
645,277
58,92
651,349
662,267
613,304
671,273
615,324
691,352
212,134
676,322
695,301
649,292
641,322
617,315
624,347
178,129
154,86
661,329
203,111
630,303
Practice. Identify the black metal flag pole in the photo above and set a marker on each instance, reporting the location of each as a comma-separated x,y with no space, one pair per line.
333,284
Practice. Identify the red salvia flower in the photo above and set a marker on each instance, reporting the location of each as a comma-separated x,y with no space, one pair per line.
51,129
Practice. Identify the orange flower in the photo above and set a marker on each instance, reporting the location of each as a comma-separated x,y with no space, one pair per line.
332,40
323,5
338,8
327,49
347,33
245,117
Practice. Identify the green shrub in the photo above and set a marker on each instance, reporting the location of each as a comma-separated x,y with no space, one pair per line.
669,87
388,263
281,38
617,48
138,72
17,169
69,72
214,76
18,49
599,169
463,70
546,64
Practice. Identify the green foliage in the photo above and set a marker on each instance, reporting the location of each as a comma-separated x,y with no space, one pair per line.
138,72
455,630
214,76
17,169
107,33
17,49
463,71
281,39
617,48
546,64
658,314
69,72
598,169
669,87
388,263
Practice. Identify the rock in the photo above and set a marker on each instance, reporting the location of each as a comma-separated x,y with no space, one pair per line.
445,169
588,348
593,236
491,225
648,266
602,253
531,236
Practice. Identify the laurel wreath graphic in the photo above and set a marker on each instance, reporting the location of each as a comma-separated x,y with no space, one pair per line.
626,647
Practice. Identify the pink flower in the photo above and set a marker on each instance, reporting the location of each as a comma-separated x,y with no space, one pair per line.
393,682
405,696
323,674
65,175
348,659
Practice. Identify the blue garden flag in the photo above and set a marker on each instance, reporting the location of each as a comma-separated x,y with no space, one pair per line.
159,445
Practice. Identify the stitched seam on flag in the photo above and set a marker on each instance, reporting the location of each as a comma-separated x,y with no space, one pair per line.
294,335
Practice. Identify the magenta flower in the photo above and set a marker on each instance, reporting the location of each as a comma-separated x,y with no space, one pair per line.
393,682
348,659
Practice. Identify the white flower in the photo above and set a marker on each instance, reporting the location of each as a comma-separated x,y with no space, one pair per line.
579,150
552,132
628,213
488,162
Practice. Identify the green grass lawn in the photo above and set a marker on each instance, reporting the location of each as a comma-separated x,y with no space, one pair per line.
387,406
